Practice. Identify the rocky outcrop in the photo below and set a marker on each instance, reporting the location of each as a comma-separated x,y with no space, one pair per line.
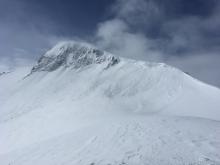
73,54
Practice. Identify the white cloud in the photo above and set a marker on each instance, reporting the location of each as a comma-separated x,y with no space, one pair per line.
185,47
114,35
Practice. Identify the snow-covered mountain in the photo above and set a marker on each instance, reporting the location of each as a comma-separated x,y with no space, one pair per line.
80,105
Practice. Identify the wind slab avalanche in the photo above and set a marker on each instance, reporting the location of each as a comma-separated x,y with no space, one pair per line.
81,105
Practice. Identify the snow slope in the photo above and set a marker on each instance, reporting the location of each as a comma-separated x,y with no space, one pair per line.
81,105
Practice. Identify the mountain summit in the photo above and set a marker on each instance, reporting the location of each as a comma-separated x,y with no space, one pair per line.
73,54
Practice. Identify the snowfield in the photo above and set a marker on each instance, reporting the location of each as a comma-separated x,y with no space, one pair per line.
82,106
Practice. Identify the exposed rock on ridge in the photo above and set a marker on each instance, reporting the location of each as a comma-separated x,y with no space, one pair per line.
73,54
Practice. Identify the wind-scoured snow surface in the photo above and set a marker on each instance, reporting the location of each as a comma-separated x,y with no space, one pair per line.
82,106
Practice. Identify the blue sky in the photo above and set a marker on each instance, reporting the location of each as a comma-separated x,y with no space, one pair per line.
182,33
